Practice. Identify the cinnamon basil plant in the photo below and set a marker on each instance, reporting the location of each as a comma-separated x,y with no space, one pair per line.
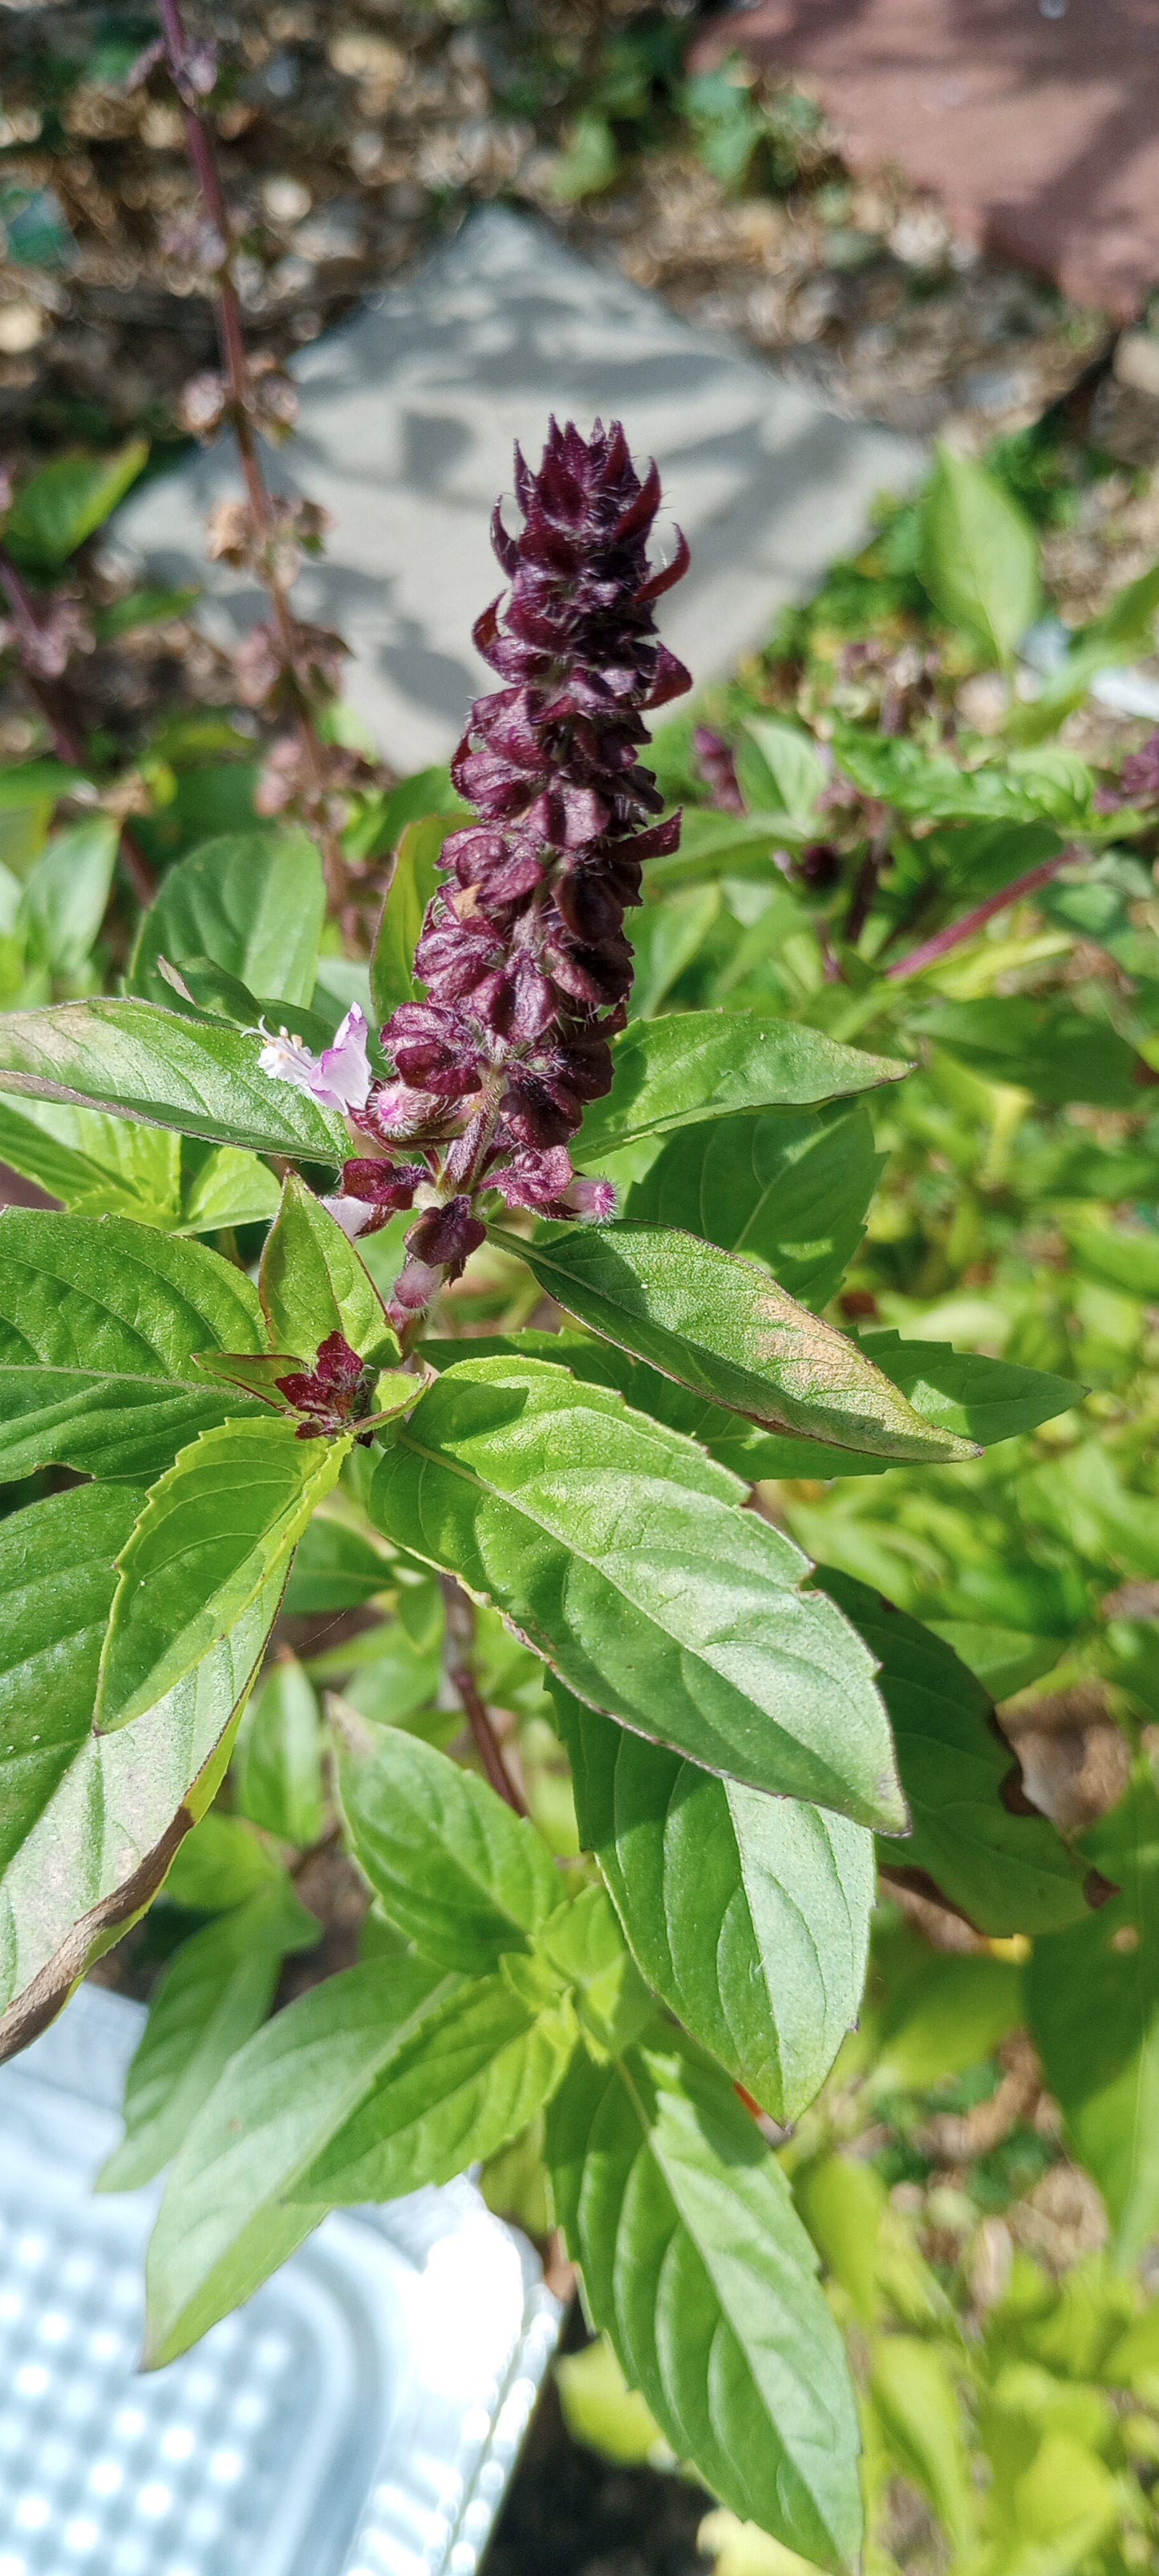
460,1315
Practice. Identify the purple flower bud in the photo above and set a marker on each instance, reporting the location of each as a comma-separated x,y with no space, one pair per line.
818,866
435,1047
445,1236
593,1199
413,1290
388,1186
1139,778
718,769
396,1111
334,1394
536,1181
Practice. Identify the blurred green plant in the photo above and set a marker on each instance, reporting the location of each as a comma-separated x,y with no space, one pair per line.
862,867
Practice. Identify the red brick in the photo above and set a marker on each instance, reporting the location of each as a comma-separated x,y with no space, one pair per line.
1040,135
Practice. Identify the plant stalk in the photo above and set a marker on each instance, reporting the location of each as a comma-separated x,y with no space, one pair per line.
864,889
235,363
54,701
932,950
460,1647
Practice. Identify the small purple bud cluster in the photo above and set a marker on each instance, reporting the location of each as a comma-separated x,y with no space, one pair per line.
718,769
522,950
334,1395
1138,780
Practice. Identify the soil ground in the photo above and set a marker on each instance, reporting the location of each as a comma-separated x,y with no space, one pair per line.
569,2513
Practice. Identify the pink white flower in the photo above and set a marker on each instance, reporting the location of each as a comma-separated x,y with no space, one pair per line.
340,1077
353,1215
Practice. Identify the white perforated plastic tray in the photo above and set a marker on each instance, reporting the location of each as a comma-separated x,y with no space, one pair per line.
359,2417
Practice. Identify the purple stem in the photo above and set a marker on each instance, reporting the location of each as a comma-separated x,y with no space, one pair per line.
231,330
53,702
460,1648
971,922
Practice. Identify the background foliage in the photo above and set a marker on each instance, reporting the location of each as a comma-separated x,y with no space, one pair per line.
867,879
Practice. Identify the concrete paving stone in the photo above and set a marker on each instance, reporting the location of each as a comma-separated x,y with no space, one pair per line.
1033,120
409,414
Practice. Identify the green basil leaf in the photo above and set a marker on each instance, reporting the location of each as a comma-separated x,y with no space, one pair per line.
390,1681
794,1191
415,877
214,1993
697,2267
251,902
1025,787
915,2396
336,1568
131,1059
277,1764
214,1533
705,1064
965,1392
313,1282
1093,2001
733,1442
584,1941
665,937
1071,1166
378,826
1006,1870
40,782
90,1824
222,1863
463,1877
978,554
478,2070
779,767
749,1915
716,845
616,1550
60,506
1125,632
727,1331
56,1581
1047,1048
1118,1259
229,2216
142,608
99,1322
66,896
97,1166
229,1188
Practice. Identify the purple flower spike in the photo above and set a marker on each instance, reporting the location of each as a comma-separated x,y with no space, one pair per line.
522,951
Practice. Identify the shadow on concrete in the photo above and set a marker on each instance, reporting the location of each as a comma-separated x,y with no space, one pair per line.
409,415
